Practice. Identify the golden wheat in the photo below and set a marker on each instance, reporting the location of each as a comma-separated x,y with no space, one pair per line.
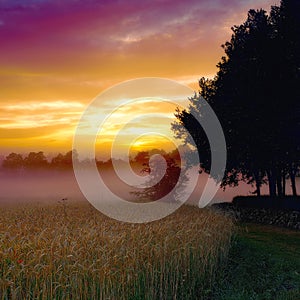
49,253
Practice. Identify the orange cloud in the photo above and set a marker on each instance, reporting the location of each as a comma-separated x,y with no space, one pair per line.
72,50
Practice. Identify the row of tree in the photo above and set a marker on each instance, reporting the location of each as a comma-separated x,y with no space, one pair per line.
141,163
255,95
37,160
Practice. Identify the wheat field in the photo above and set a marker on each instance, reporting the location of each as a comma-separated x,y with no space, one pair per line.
74,252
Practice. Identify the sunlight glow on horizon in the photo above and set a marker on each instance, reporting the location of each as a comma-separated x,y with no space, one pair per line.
53,63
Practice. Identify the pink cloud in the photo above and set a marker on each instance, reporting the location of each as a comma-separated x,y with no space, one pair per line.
66,21
47,32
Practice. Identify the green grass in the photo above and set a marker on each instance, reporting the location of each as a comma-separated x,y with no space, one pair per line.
264,263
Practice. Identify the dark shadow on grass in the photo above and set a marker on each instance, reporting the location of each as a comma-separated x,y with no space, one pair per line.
264,263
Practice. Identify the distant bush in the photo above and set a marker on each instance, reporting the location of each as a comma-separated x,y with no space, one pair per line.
284,202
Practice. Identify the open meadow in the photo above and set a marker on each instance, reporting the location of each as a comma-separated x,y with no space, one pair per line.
71,251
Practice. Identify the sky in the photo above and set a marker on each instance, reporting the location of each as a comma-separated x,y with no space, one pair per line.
57,56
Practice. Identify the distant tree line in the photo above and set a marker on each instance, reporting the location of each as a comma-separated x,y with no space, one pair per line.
37,161
16,162
255,95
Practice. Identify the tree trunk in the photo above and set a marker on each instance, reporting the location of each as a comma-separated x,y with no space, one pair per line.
283,184
257,182
279,184
272,183
293,181
258,189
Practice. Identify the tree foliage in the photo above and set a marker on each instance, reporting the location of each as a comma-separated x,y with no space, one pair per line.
38,160
35,160
255,95
13,161
64,161
166,177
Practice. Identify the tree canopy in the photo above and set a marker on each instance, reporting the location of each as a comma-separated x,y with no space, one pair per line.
165,178
255,95
38,160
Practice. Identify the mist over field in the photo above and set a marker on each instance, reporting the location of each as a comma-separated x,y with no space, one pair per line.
52,186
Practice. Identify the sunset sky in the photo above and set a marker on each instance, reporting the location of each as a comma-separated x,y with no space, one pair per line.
57,56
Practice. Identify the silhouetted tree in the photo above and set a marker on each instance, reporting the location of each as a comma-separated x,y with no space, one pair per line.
142,157
64,162
13,161
158,151
255,95
57,161
36,160
164,173
286,22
